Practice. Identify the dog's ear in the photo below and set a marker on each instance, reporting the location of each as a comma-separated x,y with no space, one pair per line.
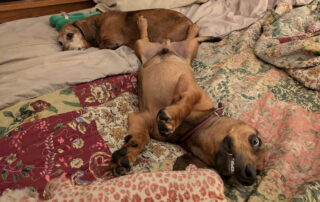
183,161
88,29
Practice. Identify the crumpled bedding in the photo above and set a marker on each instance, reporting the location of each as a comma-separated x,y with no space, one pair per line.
292,43
32,63
128,5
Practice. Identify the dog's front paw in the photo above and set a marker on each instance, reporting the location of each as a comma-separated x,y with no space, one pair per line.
165,126
123,158
120,164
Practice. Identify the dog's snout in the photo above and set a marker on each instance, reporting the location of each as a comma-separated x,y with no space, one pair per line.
248,175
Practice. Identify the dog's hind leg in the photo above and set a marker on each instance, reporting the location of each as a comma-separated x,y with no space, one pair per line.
189,97
123,159
143,47
188,48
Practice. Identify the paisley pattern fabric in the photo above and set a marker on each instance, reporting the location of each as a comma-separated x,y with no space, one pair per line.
291,42
38,151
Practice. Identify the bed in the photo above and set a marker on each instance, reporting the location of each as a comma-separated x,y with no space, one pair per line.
66,112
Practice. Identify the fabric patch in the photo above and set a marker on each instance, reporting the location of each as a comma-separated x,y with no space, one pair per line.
191,185
292,43
291,136
103,90
58,102
44,149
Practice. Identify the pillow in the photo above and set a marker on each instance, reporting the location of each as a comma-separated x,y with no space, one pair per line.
193,184
129,5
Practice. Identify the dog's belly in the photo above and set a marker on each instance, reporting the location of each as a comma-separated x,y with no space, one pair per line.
158,84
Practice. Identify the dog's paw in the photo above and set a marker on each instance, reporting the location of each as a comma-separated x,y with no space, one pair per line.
165,126
123,158
120,164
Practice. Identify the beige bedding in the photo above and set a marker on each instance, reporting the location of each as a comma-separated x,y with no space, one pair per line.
32,63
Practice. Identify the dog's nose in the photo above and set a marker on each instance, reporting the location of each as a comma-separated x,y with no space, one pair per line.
248,175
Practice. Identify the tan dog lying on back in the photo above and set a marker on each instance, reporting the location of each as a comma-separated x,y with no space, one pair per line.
114,28
171,103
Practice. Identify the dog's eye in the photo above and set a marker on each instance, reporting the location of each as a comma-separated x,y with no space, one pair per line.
255,141
69,36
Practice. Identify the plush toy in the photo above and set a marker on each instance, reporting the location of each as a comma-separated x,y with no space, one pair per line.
58,21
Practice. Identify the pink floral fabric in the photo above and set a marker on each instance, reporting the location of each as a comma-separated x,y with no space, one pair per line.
290,133
191,185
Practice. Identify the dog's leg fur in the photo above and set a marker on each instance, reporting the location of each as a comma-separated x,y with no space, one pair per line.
139,125
187,98
143,47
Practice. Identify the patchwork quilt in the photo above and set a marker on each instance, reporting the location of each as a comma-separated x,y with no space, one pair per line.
74,130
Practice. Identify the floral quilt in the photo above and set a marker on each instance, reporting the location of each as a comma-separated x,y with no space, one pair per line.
291,42
74,130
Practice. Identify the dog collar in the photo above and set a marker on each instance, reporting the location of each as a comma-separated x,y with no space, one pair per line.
217,112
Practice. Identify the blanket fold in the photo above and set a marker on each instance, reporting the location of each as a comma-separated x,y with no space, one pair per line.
292,43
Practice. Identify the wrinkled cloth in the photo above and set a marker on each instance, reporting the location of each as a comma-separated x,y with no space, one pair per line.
291,43
32,63
128,5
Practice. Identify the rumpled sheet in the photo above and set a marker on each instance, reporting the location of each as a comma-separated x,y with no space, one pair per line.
214,17
292,43
128,5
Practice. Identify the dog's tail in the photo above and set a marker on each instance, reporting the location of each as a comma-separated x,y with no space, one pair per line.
208,39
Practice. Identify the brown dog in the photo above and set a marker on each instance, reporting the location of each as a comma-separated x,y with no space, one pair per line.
171,104
114,28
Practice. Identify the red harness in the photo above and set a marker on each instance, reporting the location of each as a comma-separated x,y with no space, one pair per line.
217,112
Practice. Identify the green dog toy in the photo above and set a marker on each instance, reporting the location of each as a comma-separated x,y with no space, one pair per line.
58,21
